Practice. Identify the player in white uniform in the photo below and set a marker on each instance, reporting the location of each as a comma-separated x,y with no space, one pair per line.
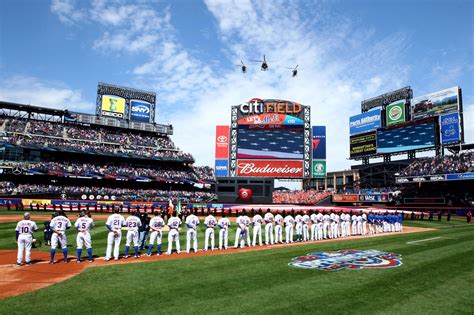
246,221
240,232
114,224
354,224
326,222
364,224
289,221
24,238
348,224
210,222
314,225
59,225
359,224
174,224
156,228
192,221
83,226
306,221
332,222
278,228
223,224
268,218
299,227
133,224
257,228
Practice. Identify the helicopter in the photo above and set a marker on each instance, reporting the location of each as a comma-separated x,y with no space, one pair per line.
264,66
242,66
294,71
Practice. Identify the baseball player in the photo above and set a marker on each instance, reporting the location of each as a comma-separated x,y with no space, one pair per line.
240,232
370,222
210,222
268,218
83,226
59,224
354,224
257,228
326,222
133,224
223,224
319,227
314,225
348,224
306,221
24,238
156,225
364,223
299,227
192,221
246,221
289,222
173,235
278,228
332,221
114,224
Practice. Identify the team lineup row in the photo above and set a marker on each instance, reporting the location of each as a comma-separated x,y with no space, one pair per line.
313,227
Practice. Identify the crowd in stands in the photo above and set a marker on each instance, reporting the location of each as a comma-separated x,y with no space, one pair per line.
90,138
369,191
299,196
441,165
8,188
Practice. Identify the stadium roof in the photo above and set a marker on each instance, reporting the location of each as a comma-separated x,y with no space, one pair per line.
463,147
31,109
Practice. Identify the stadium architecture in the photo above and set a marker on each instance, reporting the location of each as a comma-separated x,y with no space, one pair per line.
119,156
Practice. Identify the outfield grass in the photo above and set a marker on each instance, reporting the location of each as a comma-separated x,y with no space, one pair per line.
436,277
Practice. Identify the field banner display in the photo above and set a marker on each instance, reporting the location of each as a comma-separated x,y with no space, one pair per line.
319,142
270,168
222,142
450,128
271,119
412,137
365,122
395,113
113,106
363,144
344,198
319,169
140,111
221,168
442,102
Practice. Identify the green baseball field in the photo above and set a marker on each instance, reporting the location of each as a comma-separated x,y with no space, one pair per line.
436,276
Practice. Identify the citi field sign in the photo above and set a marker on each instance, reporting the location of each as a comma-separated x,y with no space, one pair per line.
260,106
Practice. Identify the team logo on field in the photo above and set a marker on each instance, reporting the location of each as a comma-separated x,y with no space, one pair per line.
347,259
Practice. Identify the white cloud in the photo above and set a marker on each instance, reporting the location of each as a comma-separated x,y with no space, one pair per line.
30,90
67,11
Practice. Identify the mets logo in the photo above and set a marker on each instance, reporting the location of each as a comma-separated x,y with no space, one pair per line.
347,259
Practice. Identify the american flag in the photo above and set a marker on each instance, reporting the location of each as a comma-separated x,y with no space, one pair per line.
270,144
411,137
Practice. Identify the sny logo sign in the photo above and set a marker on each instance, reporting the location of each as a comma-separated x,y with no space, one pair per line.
347,259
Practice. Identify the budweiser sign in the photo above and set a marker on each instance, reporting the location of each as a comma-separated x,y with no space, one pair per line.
270,168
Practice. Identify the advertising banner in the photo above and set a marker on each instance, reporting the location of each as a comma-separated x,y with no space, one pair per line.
140,111
221,168
270,168
450,128
395,113
462,176
363,144
319,169
442,102
344,198
412,137
365,122
374,198
270,119
222,142
113,106
257,106
319,142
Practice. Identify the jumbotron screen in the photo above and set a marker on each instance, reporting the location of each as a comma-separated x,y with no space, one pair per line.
270,142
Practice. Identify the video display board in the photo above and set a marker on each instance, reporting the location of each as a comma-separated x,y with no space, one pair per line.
365,122
140,111
420,135
434,104
113,106
450,128
395,113
363,144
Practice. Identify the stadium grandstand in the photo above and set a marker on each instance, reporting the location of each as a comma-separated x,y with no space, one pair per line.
51,154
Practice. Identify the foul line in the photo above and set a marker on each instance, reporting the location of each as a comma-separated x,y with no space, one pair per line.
424,240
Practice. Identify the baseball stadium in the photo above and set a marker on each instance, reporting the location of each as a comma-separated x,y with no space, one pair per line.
105,209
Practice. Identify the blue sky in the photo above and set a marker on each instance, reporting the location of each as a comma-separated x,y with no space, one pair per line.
53,53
